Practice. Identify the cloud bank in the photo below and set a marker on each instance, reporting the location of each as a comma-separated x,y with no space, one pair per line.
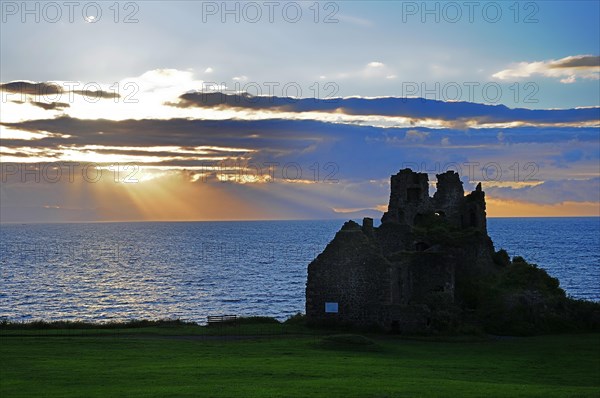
567,70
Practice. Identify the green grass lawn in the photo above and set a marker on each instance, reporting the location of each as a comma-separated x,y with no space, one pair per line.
157,364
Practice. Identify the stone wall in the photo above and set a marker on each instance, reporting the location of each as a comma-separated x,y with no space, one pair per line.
352,273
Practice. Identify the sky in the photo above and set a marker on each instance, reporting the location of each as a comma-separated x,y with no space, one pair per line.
179,111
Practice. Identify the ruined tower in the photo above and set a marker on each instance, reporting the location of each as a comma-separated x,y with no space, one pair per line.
409,196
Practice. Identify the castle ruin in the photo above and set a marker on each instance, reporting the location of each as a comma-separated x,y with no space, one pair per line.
394,276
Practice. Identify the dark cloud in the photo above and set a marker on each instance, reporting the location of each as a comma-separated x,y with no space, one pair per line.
192,158
19,154
360,152
583,61
49,88
275,134
414,108
96,94
51,105
37,89
173,132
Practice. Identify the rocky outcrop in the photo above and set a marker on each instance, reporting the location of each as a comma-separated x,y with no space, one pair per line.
429,266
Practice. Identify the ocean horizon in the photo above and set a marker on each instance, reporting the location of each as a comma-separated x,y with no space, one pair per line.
375,219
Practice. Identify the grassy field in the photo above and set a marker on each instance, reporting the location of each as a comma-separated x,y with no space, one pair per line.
191,362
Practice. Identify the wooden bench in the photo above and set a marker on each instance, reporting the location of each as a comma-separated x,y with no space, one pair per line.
220,319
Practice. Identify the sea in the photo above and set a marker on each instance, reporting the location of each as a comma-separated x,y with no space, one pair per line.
105,272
